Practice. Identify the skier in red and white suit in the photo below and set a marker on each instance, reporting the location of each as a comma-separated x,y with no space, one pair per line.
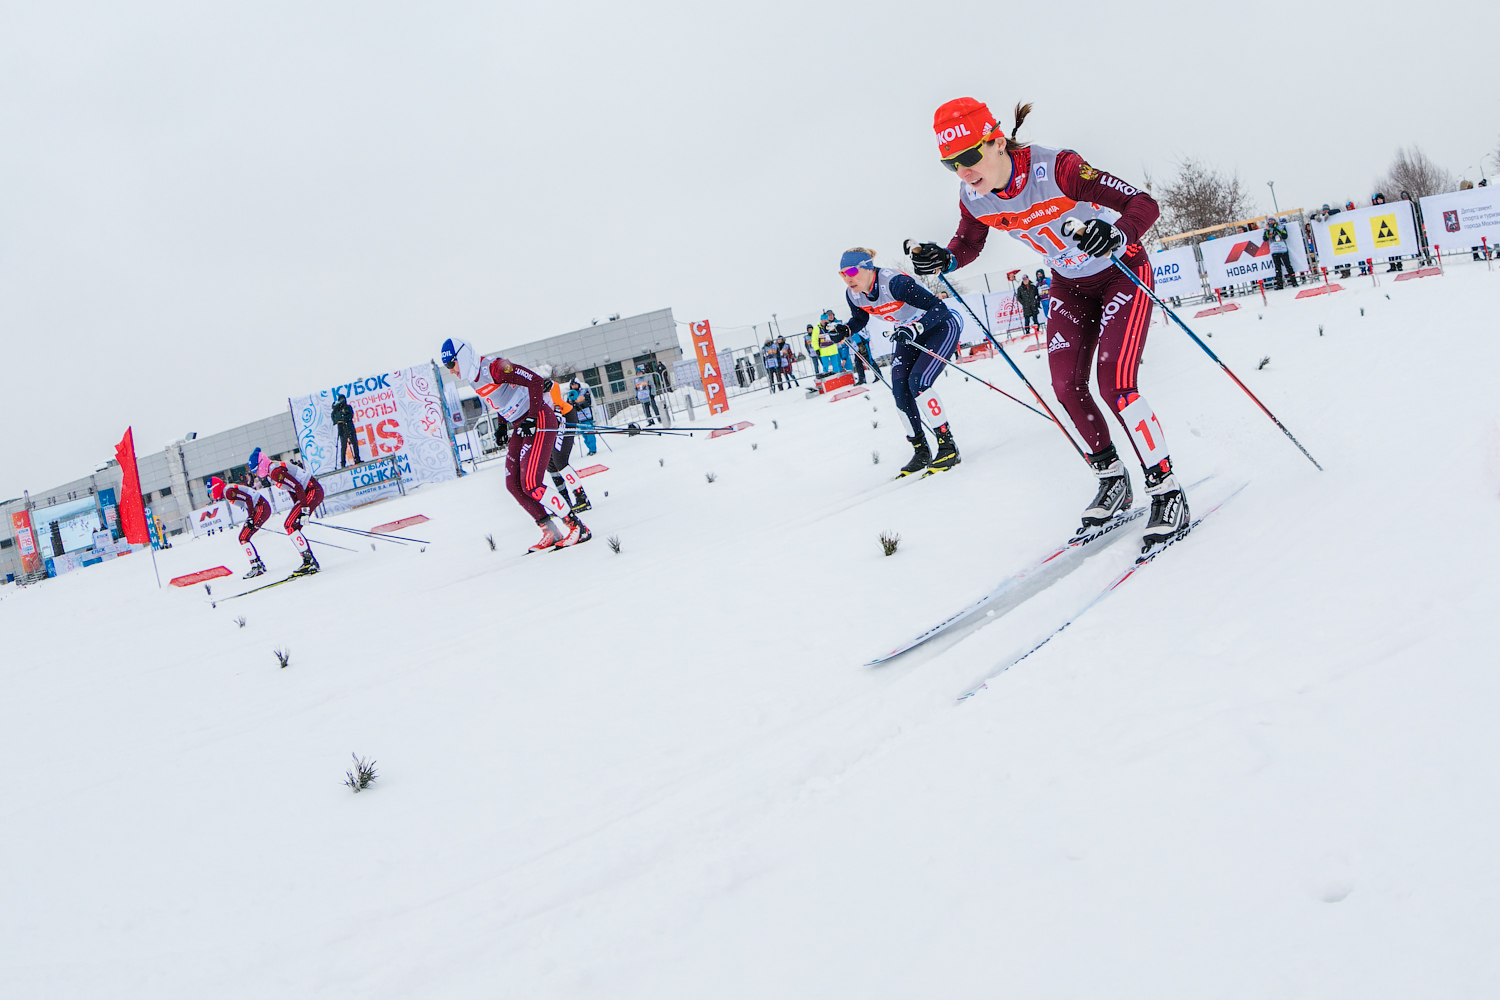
307,494
519,395
257,512
1077,216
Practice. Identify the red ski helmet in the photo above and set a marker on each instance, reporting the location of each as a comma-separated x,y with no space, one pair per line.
216,488
962,124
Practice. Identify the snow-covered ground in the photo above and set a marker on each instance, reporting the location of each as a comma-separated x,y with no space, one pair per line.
1266,766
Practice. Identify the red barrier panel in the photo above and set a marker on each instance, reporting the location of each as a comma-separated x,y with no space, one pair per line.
200,576
846,393
1308,293
592,470
1216,310
731,429
1423,272
405,522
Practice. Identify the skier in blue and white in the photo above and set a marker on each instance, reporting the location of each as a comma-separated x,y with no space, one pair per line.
922,319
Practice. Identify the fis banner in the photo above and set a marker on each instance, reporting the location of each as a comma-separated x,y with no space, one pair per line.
1177,273
1462,219
708,366
397,415
1232,260
1373,233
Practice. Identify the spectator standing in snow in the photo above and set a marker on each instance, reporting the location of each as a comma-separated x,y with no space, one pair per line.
645,397
788,358
1030,300
1281,256
1044,289
583,404
770,357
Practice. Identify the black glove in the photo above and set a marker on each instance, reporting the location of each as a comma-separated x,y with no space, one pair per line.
526,426
906,334
929,258
840,332
632,430
1098,238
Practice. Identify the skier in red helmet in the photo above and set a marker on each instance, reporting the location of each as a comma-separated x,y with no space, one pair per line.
520,395
307,494
257,511
1078,217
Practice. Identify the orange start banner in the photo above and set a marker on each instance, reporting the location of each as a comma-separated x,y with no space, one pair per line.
31,559
708,366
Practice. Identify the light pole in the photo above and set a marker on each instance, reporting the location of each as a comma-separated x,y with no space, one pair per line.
1272,186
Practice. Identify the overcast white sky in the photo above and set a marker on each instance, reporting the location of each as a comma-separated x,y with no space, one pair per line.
206,208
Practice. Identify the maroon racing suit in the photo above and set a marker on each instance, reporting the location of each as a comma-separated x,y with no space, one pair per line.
1101,312
257,508
306,491
522,401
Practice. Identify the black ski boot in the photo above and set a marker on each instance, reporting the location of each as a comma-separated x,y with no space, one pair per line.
580,502
1169,507
920,458
947,453
1114,493
309,565
257,568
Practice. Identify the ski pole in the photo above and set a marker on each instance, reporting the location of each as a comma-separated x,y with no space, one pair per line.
1013,367
876,369
976,378
272,531
1209,351
370,534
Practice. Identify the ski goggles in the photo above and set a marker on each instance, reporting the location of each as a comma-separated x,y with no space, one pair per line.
850,272
968,158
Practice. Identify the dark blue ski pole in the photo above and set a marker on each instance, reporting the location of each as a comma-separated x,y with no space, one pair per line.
1023,378
1209,351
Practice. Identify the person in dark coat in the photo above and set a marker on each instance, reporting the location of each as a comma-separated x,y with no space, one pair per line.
343,419
1030,300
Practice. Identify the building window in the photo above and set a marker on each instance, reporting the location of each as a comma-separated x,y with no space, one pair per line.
165,491
615,372
592,378
6,543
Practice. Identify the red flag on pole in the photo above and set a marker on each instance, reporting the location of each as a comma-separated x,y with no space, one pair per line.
132,507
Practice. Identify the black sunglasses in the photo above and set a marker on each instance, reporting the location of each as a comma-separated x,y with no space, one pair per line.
967,158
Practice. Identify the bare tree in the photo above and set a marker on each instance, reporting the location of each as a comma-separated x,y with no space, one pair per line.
1200,197
1411,171
1495,156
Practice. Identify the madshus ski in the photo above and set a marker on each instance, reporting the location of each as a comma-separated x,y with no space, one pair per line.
264,586
1140,563
1031,581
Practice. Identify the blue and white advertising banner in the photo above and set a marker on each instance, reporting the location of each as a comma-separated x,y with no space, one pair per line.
1234,260
397,415
1461,220
1176,272
1373,233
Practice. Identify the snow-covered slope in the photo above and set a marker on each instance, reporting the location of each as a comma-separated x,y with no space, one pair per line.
1264,767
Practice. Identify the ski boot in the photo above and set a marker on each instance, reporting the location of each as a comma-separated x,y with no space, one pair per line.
947,453
1114,494
1170,516
551,535
257,568
580,502
309,565
920,458
578,532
